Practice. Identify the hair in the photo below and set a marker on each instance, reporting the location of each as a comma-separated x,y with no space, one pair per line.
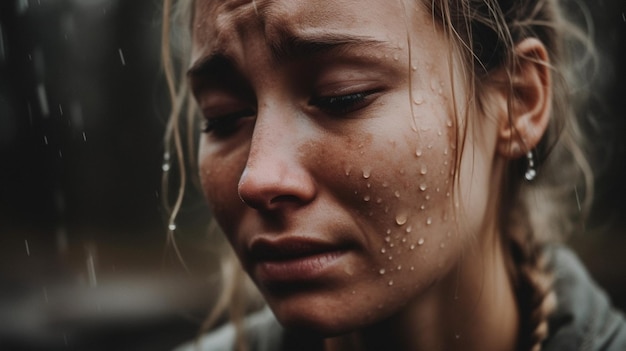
483,35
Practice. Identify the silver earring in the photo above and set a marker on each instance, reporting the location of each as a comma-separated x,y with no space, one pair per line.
531,172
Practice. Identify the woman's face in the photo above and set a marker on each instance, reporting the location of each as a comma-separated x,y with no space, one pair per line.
328,154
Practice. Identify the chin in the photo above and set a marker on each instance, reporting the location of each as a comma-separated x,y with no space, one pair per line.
319,316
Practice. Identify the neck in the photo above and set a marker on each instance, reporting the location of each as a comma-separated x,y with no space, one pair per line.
472,308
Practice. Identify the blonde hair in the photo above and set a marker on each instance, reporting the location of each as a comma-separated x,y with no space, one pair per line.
484,34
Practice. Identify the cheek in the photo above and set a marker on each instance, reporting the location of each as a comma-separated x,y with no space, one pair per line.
219,177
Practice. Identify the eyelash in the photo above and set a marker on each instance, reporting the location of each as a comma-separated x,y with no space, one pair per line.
342,104
222,126
225,125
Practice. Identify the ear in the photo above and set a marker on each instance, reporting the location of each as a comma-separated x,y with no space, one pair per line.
525,100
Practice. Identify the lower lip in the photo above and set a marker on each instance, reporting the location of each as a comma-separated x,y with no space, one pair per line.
298,269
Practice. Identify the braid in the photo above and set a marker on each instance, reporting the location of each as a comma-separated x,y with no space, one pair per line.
532,281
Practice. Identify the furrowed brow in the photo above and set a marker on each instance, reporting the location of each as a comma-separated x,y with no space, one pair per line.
291,47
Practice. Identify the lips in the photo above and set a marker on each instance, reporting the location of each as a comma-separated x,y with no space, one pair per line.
294,259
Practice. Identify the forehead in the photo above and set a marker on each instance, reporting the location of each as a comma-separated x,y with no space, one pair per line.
221,24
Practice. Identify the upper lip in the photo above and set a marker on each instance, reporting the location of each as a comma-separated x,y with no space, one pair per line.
281,249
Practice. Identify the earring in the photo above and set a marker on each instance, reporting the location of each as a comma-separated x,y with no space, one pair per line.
531,173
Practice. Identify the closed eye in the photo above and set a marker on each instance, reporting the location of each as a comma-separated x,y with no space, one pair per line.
224,125
342,104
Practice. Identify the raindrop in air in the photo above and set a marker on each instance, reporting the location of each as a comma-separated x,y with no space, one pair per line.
27,248
119,50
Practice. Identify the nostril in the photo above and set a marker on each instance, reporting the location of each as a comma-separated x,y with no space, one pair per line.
284,199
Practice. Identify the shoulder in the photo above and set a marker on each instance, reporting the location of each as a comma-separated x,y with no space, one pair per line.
584,319
263,333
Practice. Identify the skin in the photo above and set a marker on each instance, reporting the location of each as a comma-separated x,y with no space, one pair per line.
420,265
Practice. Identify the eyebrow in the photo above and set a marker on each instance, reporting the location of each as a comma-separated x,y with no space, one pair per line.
288,48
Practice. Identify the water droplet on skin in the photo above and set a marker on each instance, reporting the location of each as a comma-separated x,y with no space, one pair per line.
390,258
401,218
418,99
381,271
403,240
379,200
387,239
419,153
423,207
396,57
449,123
172,226
430,146
412,268
408,229
390,283
423,170
399,268
165,167
423,187
442,245
382,251
412,247
397,194
369,185
429,221
388,231
414,68
439,133
366,198
420,242
391,245
353,292
348,171
367,173
427,197
437,190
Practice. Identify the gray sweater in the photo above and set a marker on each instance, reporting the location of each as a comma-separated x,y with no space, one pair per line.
584,319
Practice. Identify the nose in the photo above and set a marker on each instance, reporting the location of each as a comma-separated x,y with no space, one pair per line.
275,176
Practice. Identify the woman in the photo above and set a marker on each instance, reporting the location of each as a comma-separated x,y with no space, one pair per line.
390,174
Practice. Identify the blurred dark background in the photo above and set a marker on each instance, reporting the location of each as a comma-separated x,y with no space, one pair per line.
83,109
